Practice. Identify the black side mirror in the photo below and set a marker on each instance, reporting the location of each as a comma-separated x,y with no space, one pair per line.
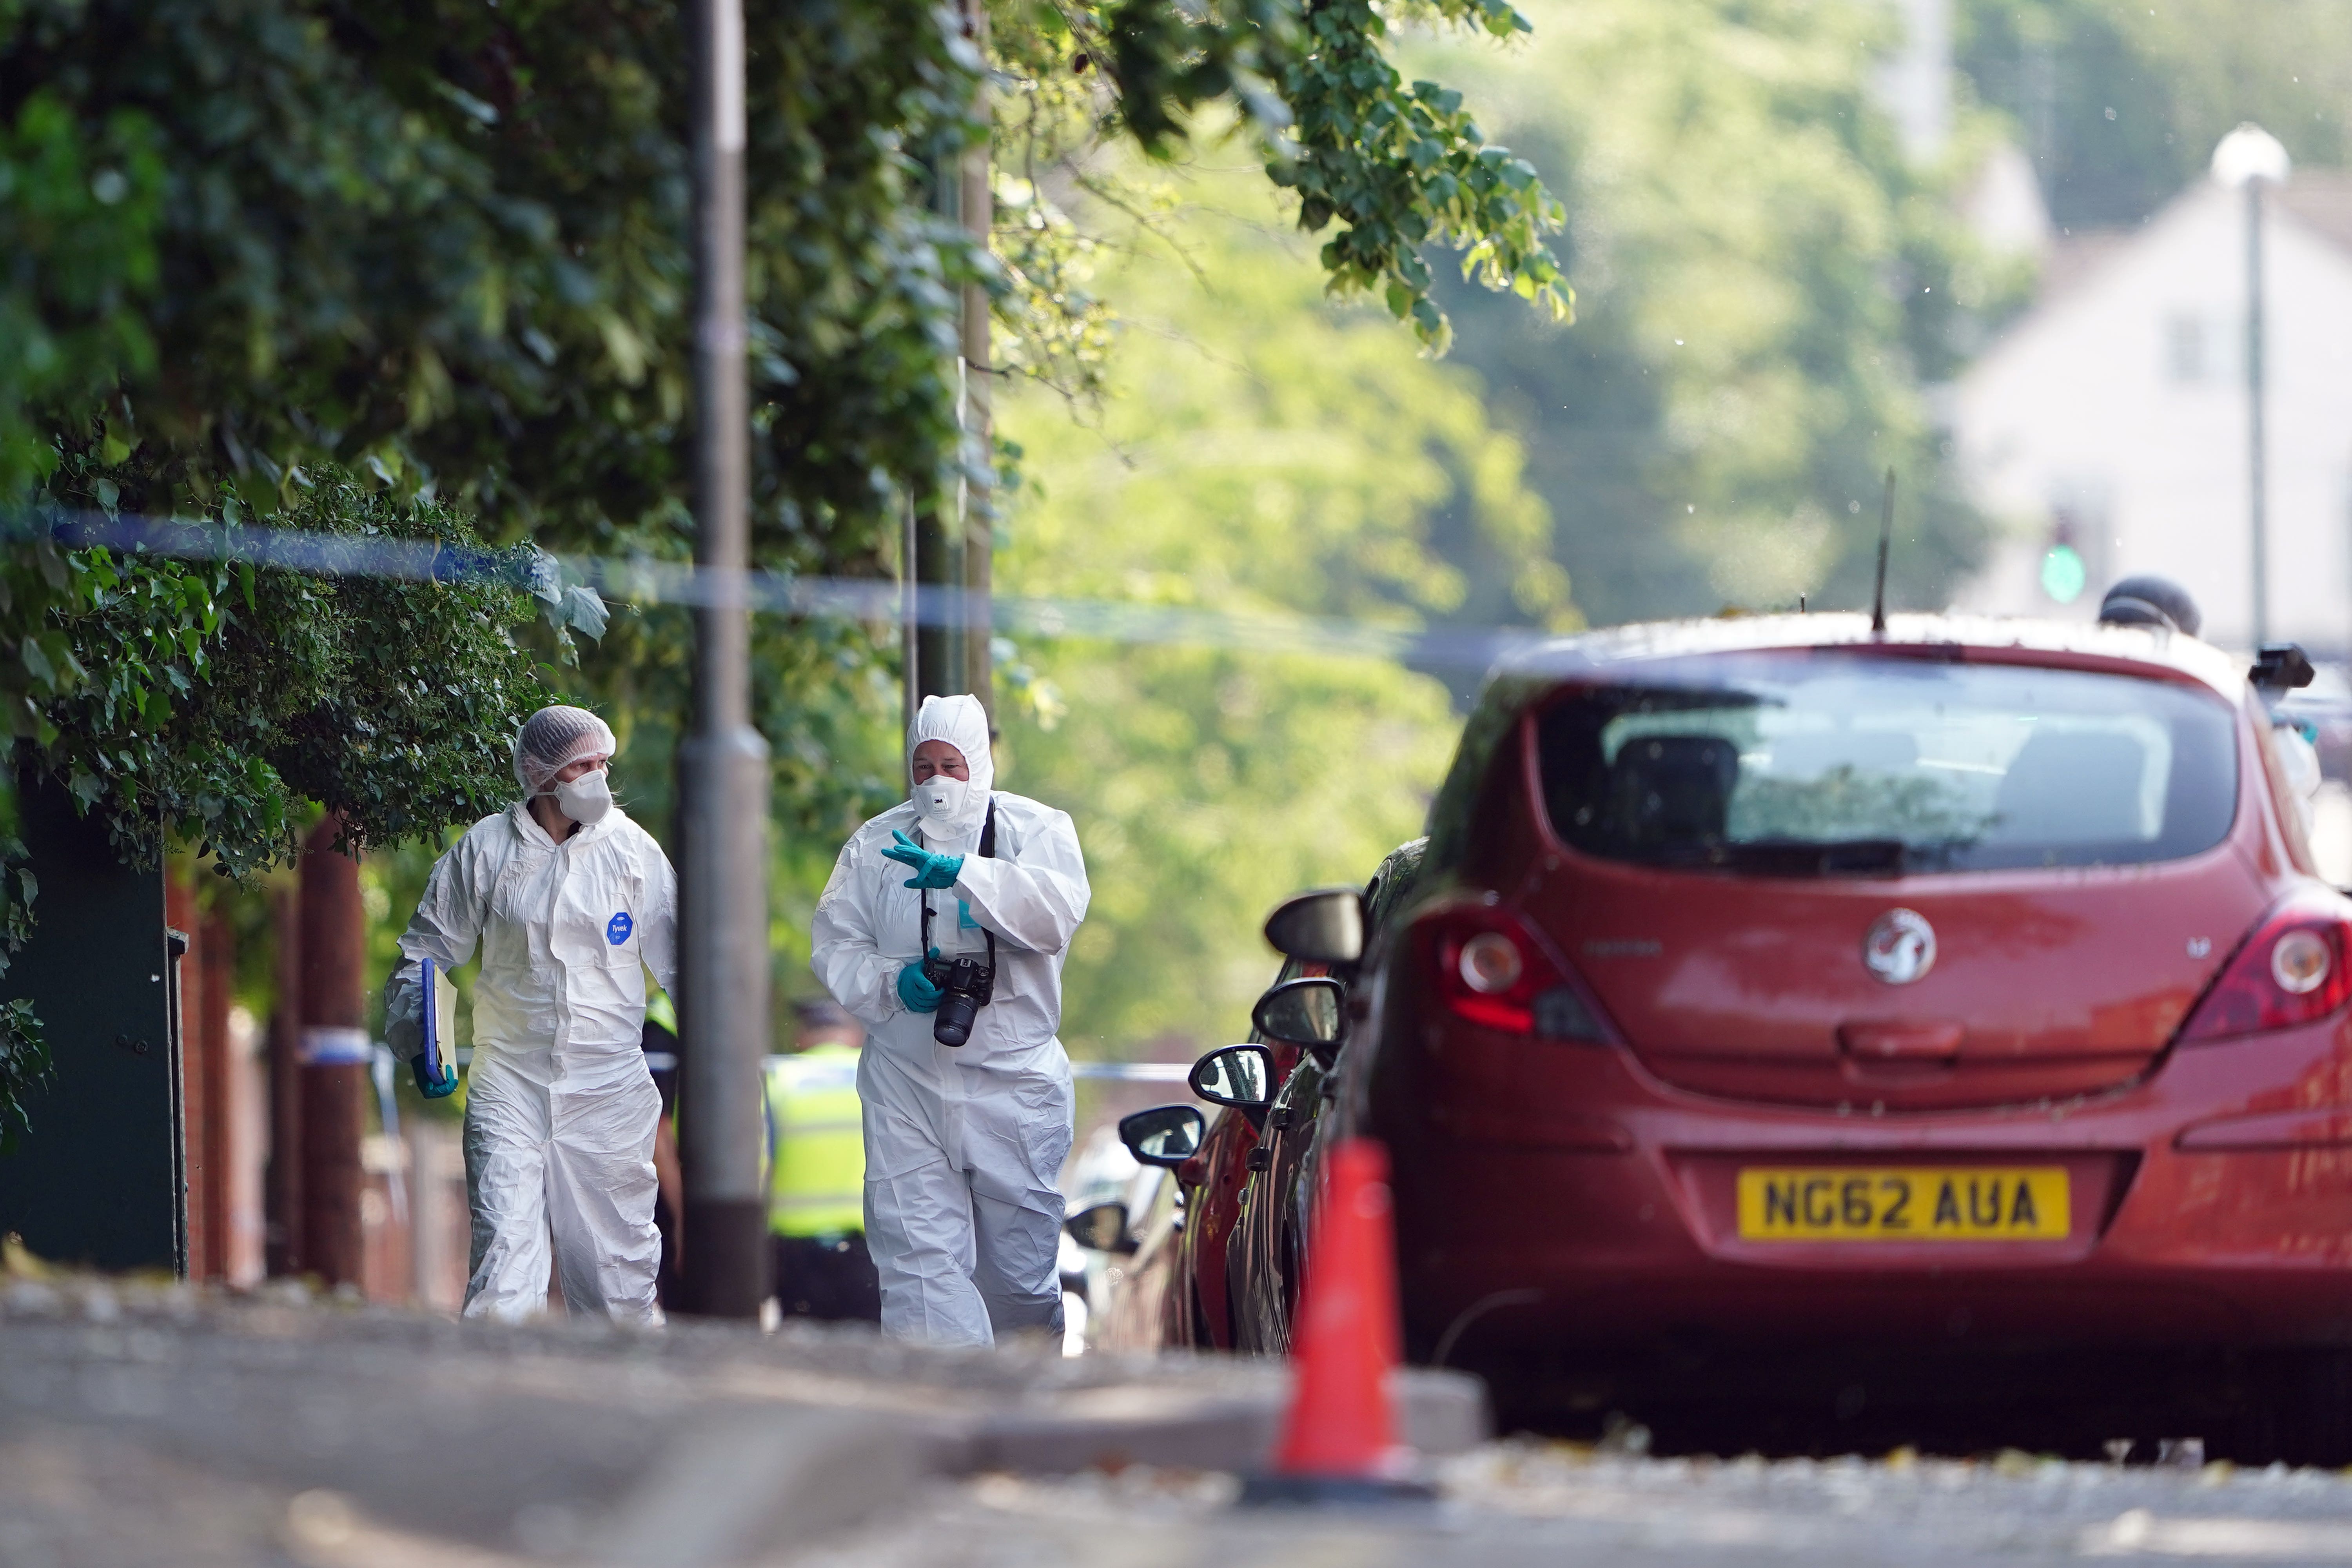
1301,1012
1325,926
2281,667
1165,1135
1238,1076
1101,1228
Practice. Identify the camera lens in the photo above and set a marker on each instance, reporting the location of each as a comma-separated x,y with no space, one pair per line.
951,1025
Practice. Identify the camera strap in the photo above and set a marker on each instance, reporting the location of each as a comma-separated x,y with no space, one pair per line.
987,852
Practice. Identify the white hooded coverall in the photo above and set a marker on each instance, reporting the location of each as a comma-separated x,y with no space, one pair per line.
963,1144
559,1110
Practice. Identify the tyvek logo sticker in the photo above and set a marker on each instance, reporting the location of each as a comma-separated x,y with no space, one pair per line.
617,928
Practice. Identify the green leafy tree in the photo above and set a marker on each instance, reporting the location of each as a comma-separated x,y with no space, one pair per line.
218,696
2120,104
1764,288
224,701
1264,453
1390,168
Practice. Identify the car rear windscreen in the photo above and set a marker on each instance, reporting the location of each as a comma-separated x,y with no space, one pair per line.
1823,762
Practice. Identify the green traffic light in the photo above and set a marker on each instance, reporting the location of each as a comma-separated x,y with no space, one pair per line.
2063,575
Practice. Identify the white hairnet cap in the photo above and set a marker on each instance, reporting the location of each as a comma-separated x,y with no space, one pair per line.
962,723
555,738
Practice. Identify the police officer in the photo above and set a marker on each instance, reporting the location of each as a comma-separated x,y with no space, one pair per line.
2149,599
816,1203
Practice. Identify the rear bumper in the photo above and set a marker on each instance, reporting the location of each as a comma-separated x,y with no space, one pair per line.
2213,1206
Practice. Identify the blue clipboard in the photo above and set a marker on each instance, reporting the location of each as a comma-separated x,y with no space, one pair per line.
440,1022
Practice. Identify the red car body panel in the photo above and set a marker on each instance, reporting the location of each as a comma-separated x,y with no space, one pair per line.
1557,1193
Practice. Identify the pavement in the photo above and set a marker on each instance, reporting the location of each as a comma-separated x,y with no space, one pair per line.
150,1422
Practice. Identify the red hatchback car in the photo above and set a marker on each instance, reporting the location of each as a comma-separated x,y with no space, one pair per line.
1792,1013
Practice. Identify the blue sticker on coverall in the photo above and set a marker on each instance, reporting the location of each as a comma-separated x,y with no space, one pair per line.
617,928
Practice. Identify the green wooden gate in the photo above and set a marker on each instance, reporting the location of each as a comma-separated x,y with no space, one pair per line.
99,1181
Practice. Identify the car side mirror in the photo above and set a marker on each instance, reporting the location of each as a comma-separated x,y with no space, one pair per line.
1165,1135
1301,1012
2281,667
1101,1228
1325,926
1238,1076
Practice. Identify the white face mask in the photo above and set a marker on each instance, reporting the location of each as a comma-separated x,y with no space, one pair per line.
585,799
940,797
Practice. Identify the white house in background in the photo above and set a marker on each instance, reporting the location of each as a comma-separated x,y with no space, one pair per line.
2113,417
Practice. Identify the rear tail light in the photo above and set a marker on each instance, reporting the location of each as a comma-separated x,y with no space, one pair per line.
1489,970
2293,970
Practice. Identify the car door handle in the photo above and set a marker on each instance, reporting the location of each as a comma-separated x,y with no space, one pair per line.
1913,1041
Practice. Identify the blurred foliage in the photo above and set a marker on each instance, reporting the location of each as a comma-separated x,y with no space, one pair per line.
2120,104
214,698
1264,452
78,206
1393,168
449,243
1764,286
225,702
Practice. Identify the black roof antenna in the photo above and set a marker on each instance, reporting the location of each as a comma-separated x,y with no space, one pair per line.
1885,532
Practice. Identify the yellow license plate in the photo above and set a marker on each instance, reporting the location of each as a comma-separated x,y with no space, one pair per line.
1907,1204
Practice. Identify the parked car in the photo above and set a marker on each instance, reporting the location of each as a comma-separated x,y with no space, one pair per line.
1787,1011
1198,1311
1171,1294
1117,1205
1180,1278
1267,1249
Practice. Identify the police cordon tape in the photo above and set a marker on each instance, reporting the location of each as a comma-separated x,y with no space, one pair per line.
644,580
1114,1072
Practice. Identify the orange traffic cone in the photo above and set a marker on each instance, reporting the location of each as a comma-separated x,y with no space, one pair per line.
1339,1440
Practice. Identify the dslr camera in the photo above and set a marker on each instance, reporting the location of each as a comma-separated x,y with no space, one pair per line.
964,984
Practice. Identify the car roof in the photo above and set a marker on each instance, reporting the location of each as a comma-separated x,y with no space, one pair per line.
2163,652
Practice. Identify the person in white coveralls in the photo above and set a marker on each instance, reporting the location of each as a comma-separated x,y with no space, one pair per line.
964,1143
571,903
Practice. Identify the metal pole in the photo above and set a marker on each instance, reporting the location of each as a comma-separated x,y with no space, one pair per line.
2256,464
723,764
978,208
938,569
909,617
938,531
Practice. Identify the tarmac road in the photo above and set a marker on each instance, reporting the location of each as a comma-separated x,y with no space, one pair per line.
147,1423
1525,1503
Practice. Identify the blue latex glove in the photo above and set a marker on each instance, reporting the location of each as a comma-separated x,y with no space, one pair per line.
932,869
427,1087
916,989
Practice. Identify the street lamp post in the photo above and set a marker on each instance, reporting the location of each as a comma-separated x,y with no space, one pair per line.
723,762
2249,158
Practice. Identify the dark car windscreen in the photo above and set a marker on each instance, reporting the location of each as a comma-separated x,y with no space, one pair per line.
1806,763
